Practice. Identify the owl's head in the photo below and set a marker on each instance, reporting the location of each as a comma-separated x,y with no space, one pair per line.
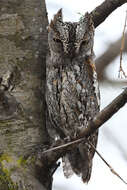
71,39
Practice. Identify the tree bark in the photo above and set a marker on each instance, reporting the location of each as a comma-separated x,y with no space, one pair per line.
23,45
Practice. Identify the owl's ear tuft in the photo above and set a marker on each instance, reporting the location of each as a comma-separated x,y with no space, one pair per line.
87,19
57,17
59,14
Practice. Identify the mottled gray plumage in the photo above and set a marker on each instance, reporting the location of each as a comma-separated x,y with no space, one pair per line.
72,93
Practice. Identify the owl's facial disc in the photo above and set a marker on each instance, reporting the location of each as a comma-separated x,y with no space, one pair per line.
71,39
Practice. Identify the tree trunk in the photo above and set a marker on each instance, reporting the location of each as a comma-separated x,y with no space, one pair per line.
23,45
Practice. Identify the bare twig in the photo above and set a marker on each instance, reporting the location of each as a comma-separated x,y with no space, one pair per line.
111,169
121,71
66,145
101,12
93,125
107,57
79,141
105,114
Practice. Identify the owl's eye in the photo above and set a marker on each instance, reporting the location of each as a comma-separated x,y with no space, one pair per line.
56,40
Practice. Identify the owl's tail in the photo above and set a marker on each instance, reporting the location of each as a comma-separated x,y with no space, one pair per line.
77,161
67,169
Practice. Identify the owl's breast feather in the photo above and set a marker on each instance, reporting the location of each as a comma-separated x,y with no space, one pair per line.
71,96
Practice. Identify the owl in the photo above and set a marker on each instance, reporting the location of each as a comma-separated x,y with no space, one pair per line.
72,94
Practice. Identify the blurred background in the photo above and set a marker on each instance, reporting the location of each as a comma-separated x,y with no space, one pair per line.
112,142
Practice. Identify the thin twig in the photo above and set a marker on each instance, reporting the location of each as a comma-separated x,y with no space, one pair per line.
64,145
97,121
111,169
53,154
121,70
105,114
79,141
107,57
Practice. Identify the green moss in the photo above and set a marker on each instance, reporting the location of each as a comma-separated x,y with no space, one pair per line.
5,173
6,182
21,161
5,157
8,165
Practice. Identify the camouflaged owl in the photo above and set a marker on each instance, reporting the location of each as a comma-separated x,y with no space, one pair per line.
72,93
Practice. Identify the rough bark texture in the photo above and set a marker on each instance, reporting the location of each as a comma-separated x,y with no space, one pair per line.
23,43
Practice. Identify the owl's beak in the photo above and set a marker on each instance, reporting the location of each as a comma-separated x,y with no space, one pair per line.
70,51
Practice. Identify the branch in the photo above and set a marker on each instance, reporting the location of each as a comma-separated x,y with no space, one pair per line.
101,12
121,70
108,56
54,153
105,114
